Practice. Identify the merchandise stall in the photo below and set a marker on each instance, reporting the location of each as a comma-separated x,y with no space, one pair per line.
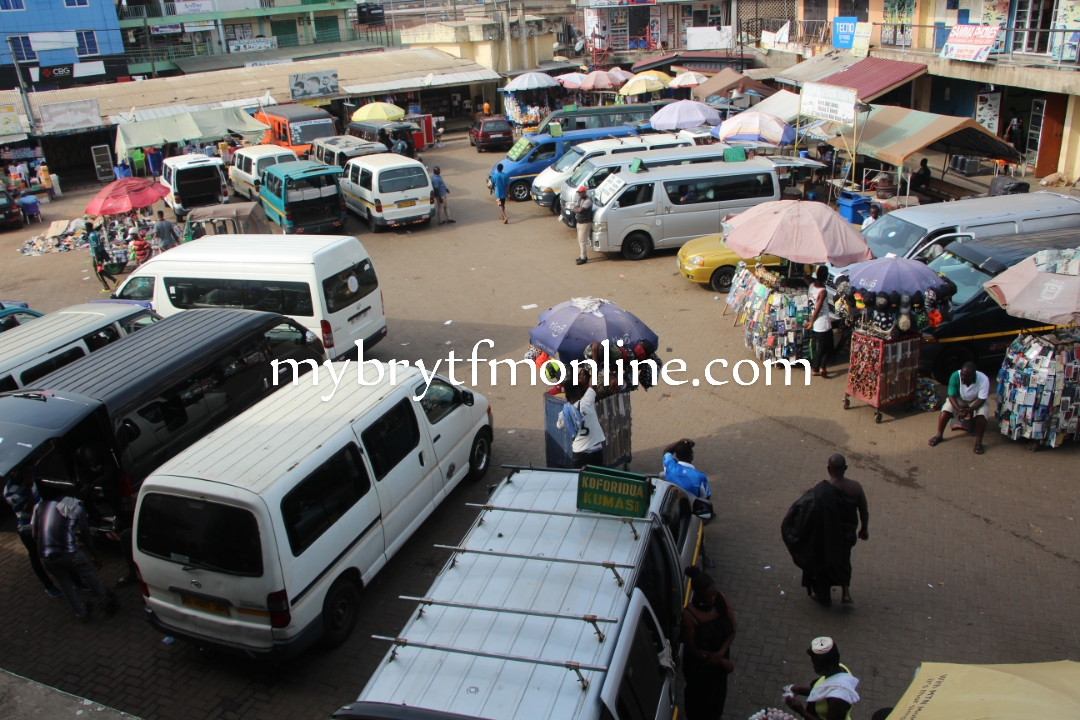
772,311
883,371
1038,388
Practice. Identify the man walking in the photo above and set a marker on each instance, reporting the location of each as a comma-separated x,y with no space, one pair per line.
583,212
969,391
56,524
500,183
442,204
98,257
22,495
820,530
165,231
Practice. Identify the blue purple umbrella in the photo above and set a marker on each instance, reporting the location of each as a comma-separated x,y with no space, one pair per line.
570,327
893,273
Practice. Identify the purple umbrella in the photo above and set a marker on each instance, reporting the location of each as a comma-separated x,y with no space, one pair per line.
570,327
892,273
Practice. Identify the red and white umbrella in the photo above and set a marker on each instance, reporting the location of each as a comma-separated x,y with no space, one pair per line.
599,80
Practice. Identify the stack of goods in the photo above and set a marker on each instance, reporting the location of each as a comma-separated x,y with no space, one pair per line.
775,320
771,714
926,396
742,287
883,371
890,315
1038,388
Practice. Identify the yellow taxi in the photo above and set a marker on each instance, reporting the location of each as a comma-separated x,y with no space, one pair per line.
708,261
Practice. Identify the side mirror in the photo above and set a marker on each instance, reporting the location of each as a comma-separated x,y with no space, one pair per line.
703,509
467,398
258,184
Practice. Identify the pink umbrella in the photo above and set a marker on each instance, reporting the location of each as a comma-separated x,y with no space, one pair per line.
618,72
599,80
125,195
1026,292
802,232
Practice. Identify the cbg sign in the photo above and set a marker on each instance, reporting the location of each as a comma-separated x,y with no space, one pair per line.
843,32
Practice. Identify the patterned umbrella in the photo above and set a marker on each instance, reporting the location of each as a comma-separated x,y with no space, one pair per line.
126,195
570,80
756,127
530,81
599,80
569,327
684,114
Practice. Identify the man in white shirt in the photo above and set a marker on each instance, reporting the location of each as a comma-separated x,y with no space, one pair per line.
875,213
580,417
969,391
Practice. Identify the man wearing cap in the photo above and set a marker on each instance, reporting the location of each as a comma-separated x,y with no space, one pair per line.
833,693
583,212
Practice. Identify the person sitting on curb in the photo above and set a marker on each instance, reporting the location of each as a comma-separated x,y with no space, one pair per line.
679,470
969,390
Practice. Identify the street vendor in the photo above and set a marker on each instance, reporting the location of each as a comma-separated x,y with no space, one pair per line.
969,390
579,416
679,469
833,693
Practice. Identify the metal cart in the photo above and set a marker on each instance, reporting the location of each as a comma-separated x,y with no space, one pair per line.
883,372
614,414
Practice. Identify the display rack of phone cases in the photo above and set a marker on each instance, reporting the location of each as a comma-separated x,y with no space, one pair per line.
883,372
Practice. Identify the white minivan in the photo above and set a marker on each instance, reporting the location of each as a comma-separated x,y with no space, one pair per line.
260,537
249,164
326,283
194,181
547,186
388,190
664,207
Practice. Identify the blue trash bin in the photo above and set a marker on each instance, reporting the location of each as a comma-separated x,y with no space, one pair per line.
852,206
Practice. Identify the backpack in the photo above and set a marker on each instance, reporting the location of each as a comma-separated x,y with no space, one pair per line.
572,419
799,530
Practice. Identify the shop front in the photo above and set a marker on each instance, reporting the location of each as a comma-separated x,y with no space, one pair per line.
611,27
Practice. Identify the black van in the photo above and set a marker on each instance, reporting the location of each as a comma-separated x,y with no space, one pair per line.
385,132
980,329
148,396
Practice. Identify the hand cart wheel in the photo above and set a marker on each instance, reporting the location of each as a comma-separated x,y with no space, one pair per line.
847,403
877,417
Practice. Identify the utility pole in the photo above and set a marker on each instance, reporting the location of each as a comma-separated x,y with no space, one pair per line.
22,84
149,45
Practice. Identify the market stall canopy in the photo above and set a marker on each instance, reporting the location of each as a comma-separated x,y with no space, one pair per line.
784,105
873,77
204,125
816,68
727,81
530,81
893,134
796,230
1045,287
1031,691
123,196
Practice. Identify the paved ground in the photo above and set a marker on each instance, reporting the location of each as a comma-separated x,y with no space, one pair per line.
970,559
22,699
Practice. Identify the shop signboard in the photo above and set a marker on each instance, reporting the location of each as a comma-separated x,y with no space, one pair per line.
843,32
170,29
321,83
263,63
252,45
860,43
201,25
613,492
970,42
828,102
65,117
193,7
709,38
9,120
617,3
988,110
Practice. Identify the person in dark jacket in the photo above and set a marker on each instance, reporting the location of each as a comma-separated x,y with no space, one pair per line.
583,214
708,629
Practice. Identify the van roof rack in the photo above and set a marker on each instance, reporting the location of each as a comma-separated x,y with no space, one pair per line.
591,619
557,513
612,566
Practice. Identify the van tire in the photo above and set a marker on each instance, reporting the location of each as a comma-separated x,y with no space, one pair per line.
372,225
721,279
480,455
519,191
556,207
637,246
340,610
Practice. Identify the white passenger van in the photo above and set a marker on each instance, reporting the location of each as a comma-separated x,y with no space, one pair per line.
249,163
324,282
388,190
194,181
340,149
32,351
664,207
546,611
260,537
548,185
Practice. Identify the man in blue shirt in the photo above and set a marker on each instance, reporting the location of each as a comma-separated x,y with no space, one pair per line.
442,204
500,182
678,469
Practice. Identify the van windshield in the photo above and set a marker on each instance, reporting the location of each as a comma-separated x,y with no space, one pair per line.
968,278
584,171
568,159
890,234
521,148
609,189
402,179
308,131
199,533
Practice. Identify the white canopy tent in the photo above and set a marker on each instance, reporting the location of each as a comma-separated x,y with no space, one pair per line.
205,125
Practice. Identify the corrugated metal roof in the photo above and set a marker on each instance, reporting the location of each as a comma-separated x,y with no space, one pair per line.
763,73
358,75
873,77
817,67
210,63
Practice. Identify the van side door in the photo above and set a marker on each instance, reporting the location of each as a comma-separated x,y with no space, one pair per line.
402,464
737,193
350,180
636,210
449,423
637,686
690,210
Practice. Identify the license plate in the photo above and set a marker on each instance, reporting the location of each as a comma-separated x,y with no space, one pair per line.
406,203
205,605
499,136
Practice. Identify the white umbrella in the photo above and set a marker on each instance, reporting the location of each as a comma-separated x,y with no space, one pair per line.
570,80
618,72
530,81
684,114
688,79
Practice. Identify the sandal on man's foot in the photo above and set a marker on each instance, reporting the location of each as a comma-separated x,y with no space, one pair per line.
932,442
979,449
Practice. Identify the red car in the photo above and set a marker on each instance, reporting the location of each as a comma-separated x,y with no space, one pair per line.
491,132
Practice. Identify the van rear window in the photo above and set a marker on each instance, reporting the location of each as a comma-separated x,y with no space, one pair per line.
56,362
200,533
349,285
287,298
402,179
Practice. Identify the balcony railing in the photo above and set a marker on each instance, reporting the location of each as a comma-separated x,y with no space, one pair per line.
800,32
1014,45
195,7
136,56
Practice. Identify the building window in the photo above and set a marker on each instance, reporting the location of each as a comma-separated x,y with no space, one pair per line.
76,3
23,51
12,5
238,32
87,43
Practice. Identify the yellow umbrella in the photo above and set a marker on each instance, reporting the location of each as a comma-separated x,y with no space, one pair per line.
661,76
379,111
1033,691
640,84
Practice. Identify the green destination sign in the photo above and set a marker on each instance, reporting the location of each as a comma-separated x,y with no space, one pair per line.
613,492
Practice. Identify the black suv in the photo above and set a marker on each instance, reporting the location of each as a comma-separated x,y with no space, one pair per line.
10,214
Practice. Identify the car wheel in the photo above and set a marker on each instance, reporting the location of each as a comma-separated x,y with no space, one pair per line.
571,221
340,608
637,246
949,361
471,141
556,207
721,279
372,225
480,455
479,148
519,191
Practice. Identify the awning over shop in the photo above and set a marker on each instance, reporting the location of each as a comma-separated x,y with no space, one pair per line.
727,80
816,68
784,105
873,77
202,126
893,134
697,60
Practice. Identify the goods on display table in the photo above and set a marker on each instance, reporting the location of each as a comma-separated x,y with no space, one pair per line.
773,314
1038,388
883,372
525,117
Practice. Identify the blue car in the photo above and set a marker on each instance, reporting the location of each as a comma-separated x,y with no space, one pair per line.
14,313
532,155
